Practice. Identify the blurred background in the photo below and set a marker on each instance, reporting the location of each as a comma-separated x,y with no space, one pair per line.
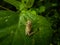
47,8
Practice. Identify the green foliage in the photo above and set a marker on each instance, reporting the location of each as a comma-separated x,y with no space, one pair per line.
28,3
14,2
45,18
7,18
43,27
12,28
8,24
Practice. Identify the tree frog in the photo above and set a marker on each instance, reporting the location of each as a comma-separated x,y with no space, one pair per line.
28,28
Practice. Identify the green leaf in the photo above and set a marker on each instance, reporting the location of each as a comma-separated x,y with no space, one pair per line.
7,18
13,25
8,22
23,4
14,3
42,9
28,3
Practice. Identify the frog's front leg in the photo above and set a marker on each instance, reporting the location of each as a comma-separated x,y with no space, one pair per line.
31,33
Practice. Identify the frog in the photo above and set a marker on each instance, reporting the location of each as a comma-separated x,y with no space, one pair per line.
28,29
